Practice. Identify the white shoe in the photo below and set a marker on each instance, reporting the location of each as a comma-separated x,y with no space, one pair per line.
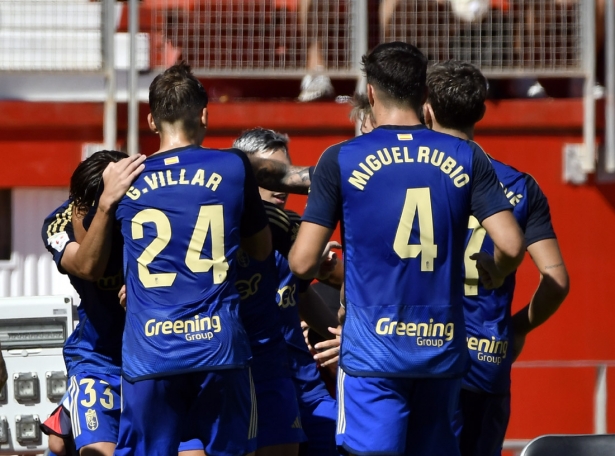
315,87
599,92
536,91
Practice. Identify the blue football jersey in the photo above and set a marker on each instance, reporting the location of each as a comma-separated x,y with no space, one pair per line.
305,373
182,221
257,283
488,312
404,196
95,346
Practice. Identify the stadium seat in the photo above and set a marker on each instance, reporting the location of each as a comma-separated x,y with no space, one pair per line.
571,445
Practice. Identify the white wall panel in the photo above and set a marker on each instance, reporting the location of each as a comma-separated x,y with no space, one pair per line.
31,271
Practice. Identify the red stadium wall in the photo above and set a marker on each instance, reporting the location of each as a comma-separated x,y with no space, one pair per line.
40,145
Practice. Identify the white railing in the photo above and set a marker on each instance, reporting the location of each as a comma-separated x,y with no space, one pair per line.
600,393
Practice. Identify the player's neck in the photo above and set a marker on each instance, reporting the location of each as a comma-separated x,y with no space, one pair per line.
395,116
465,133
176,138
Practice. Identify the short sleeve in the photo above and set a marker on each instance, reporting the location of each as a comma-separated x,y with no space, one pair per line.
538,226
324,200
280,226
254,217
311,172
487,197
57,232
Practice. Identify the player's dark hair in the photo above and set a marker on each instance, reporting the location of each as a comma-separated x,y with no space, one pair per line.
260,139
86,178
398,70
457,93
361,108
177,96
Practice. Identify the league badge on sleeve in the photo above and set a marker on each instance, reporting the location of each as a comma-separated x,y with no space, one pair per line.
58,241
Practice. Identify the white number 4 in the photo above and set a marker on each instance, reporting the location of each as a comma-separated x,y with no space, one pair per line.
418,200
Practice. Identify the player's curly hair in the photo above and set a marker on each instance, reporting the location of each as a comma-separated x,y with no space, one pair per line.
457,93
87,177
361,108
177,95
398,71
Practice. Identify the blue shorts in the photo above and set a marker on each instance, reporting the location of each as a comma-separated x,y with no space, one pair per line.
318,417
279,422
217,408
94,408
397,416
481,421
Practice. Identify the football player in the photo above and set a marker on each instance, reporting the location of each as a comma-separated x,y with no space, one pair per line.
403,194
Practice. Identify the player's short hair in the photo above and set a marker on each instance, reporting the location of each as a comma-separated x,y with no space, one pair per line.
361,108
398,70
87,177
177,95
457,93
261,140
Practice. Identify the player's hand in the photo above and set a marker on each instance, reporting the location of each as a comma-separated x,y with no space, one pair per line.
122,296
328,260
489,274
118,177
329,350
306,330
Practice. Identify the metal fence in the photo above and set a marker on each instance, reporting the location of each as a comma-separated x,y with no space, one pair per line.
256,37
282,37
63,36
503,38
50,35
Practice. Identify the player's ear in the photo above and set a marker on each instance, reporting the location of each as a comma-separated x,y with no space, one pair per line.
204,118
151,123
428,115
370,94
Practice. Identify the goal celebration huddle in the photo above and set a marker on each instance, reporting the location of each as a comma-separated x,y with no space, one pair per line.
196,283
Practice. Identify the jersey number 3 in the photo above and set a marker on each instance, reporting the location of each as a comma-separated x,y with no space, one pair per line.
210,220
418,201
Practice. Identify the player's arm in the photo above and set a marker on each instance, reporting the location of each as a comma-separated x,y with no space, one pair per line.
320,217
508,250
494,212
552,289
280,177
258,246
88,257
336,277
545,252
254,229
309,250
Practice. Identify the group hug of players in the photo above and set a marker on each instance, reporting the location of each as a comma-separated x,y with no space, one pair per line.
203,352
